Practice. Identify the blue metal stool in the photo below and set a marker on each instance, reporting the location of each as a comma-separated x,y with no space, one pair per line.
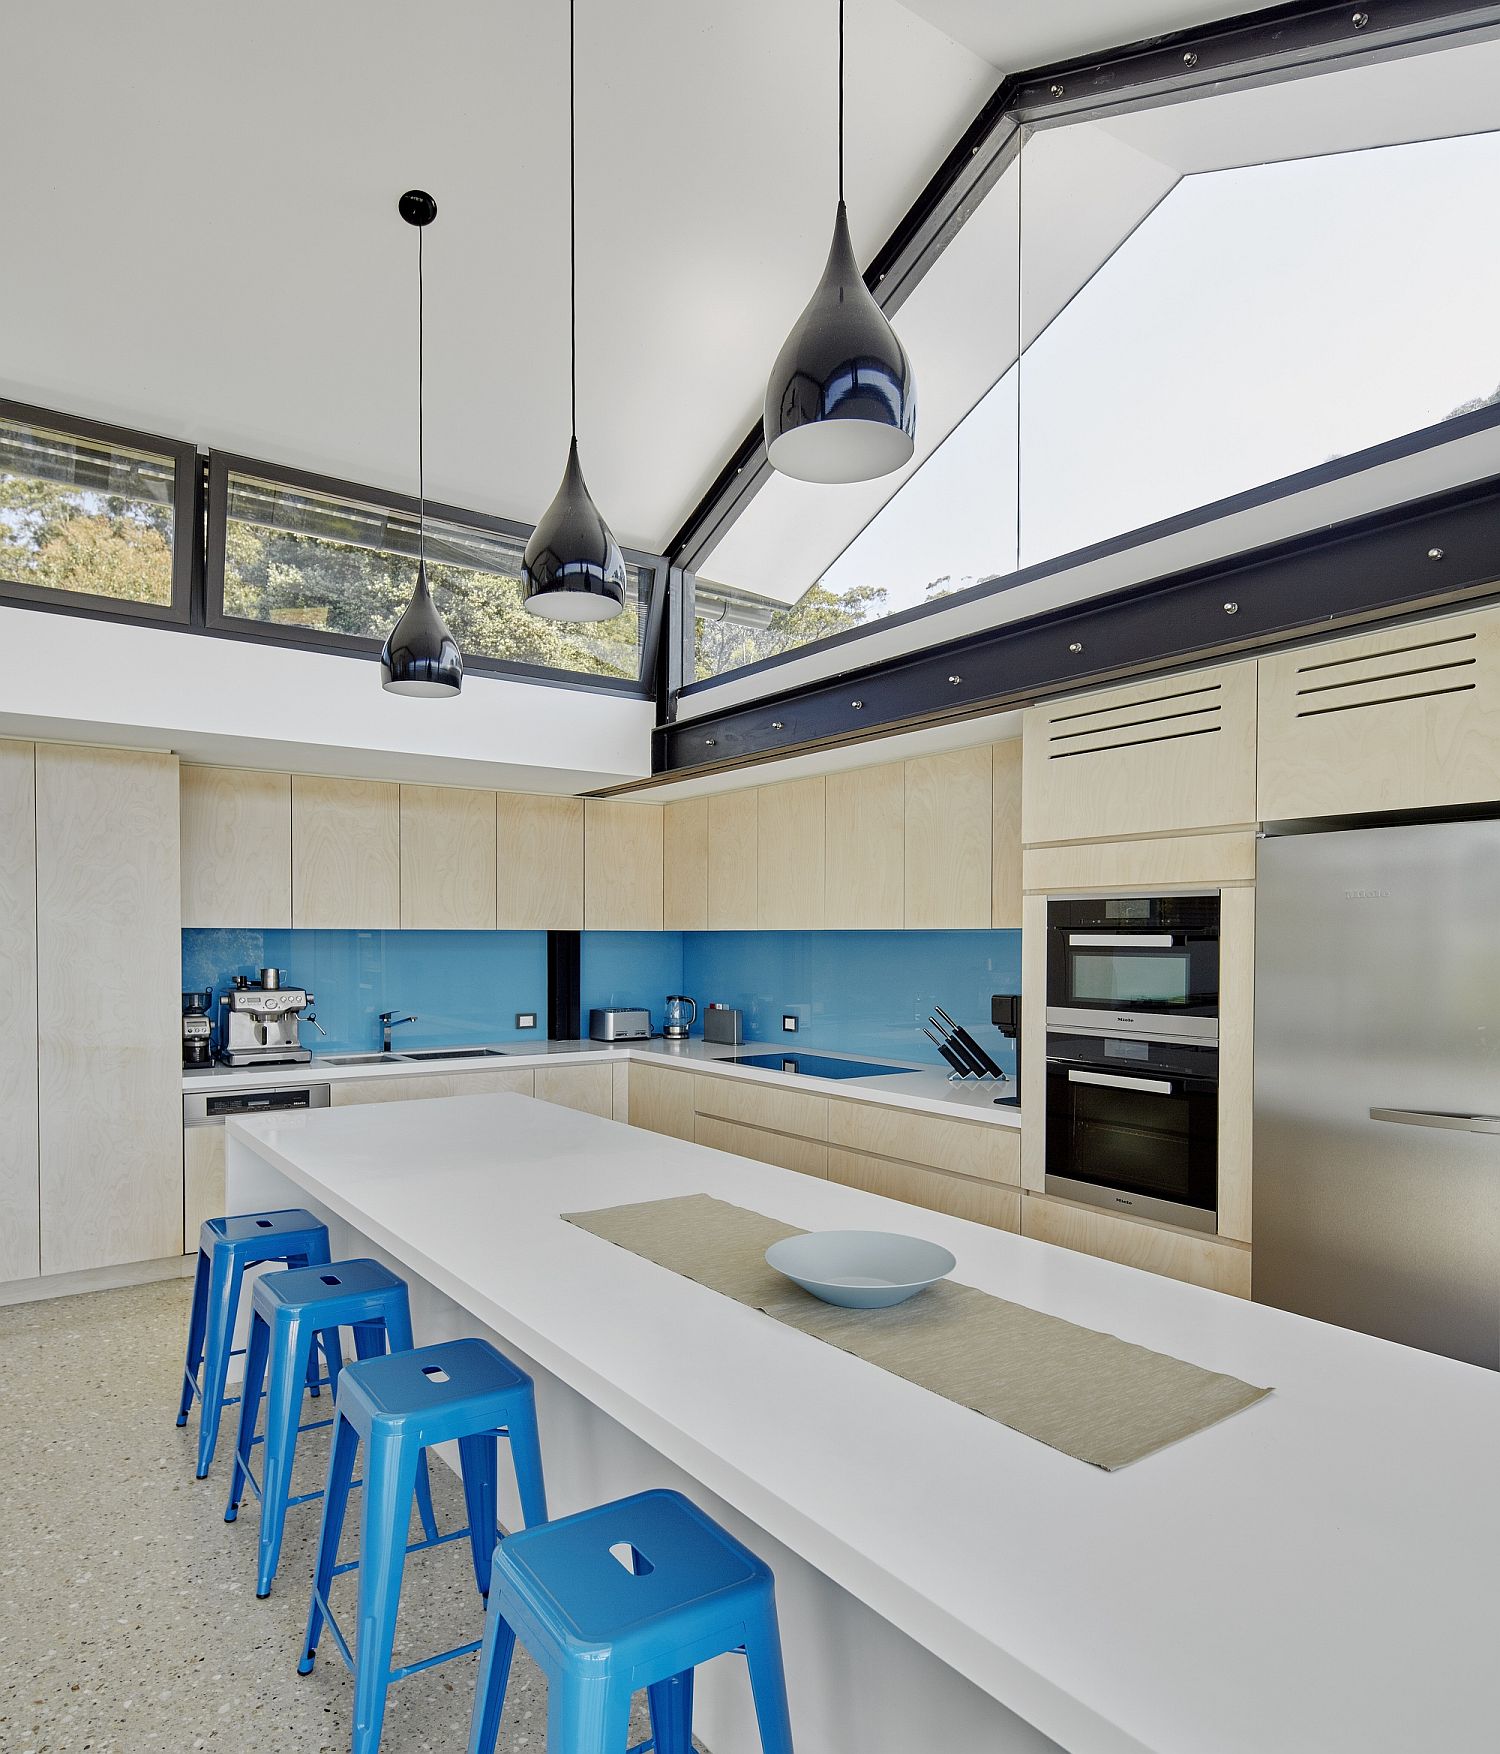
630,1595
226,1247
398,1405
289,1313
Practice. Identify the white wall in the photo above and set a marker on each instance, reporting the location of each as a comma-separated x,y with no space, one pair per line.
72,678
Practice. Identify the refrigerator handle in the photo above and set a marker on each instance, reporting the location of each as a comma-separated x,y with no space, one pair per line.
1426,1117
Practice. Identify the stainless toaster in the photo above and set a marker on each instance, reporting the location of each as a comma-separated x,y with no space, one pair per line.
619,1023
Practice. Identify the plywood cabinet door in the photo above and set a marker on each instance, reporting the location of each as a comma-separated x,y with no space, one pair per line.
1177,1254
538,863
864,882
590,1089
622,866
346,853
661,1101
1158,757
1404,719
1005,834
109,977
236,847
447,859
806,1156
790,855
948,840
684,896
202,1181
734,861
424,1086
20,1213
980,1202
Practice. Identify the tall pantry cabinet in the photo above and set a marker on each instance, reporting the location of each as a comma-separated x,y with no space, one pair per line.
90,1098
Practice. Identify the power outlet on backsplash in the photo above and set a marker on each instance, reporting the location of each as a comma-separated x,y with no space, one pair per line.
789,1022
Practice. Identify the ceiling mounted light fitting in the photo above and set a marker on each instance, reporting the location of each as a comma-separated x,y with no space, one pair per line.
420,655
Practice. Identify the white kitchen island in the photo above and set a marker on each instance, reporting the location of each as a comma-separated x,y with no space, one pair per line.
1318,1574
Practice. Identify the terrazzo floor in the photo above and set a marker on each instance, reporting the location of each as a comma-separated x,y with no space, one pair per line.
128,1618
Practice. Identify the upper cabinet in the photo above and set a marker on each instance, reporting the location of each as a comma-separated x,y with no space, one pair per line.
684,877
1161,757
447,859
1005,834
346,853
864,879
948,839
538,863
236,847
790,856
1405,718
622,866
734,861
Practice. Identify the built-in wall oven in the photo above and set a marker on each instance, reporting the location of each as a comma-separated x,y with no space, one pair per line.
1133,1055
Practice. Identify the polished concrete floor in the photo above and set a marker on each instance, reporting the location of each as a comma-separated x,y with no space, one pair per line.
128,1618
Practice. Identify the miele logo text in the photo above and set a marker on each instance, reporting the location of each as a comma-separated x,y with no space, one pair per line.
1366,894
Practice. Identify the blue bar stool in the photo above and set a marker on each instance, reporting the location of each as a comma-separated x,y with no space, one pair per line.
289,1313
629,1595
226,1247
398,1406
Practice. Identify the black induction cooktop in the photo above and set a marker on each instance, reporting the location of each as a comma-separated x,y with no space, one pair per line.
818,1065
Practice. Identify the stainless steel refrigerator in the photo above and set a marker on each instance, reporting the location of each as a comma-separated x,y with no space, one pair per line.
1377,1082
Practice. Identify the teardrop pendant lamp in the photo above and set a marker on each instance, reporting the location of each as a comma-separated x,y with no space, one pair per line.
420,655
841,402
573,569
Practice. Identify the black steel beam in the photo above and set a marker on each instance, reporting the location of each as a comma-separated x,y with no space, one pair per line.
564,986
1431,551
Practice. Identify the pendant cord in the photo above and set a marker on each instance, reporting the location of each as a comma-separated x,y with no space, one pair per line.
841,103
421,407
572,223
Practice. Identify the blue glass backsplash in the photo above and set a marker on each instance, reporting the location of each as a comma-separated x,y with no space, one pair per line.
862,992
462,986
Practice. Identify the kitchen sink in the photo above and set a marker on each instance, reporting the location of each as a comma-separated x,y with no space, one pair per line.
452,1054
352,1059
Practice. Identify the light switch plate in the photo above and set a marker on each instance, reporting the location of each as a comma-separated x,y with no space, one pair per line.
789,1022
525,1019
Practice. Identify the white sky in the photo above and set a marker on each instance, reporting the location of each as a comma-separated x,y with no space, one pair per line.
1260,321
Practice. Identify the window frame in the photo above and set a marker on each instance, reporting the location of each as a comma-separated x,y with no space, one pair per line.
184,459
223,464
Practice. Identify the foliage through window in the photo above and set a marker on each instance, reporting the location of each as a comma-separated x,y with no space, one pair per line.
294,557
85,517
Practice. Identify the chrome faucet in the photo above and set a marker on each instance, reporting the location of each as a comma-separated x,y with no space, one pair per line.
388,1021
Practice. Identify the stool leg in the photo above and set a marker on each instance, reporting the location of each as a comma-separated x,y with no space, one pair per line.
586,1717
768,1684
477,1462
396,1333
672,1714
197,1322
224,1277
335,1503
526,1455
294,1344
494,1675
333,1357
390,1478
255,1372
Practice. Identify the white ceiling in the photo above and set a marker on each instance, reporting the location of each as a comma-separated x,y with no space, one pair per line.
1013,35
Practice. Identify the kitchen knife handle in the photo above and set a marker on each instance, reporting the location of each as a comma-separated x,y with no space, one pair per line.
969,1046
971,1064
948,1054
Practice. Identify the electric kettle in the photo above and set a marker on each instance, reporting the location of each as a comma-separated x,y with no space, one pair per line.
677,1019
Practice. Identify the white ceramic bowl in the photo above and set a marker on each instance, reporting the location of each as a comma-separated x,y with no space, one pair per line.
860,1269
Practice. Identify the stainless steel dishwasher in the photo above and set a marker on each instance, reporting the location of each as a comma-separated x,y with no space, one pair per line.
203,1116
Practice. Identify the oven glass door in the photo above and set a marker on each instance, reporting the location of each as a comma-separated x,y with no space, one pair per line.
1142,1134
1162,974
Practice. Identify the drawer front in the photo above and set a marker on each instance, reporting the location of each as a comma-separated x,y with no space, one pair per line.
589,1089
956,1195
806,1156
416,1088
661,1101
1198,1260
962,1147
762,1105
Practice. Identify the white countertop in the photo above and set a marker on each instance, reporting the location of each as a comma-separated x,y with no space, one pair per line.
1319,1574
926,1088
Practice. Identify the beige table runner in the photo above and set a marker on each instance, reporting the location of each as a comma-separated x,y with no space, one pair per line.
1095,1397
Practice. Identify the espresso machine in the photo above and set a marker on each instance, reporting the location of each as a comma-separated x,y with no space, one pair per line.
258,1022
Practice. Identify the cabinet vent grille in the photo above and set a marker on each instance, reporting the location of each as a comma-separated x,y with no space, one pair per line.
1436,678
1189,712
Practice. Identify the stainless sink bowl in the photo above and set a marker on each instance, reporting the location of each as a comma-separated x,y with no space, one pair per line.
352,1059
451,1054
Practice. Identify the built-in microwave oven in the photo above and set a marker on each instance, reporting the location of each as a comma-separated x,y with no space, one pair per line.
1133,1126
1134,965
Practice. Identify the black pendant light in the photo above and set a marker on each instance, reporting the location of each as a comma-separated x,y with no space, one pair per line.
841,403
573,569
420,655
